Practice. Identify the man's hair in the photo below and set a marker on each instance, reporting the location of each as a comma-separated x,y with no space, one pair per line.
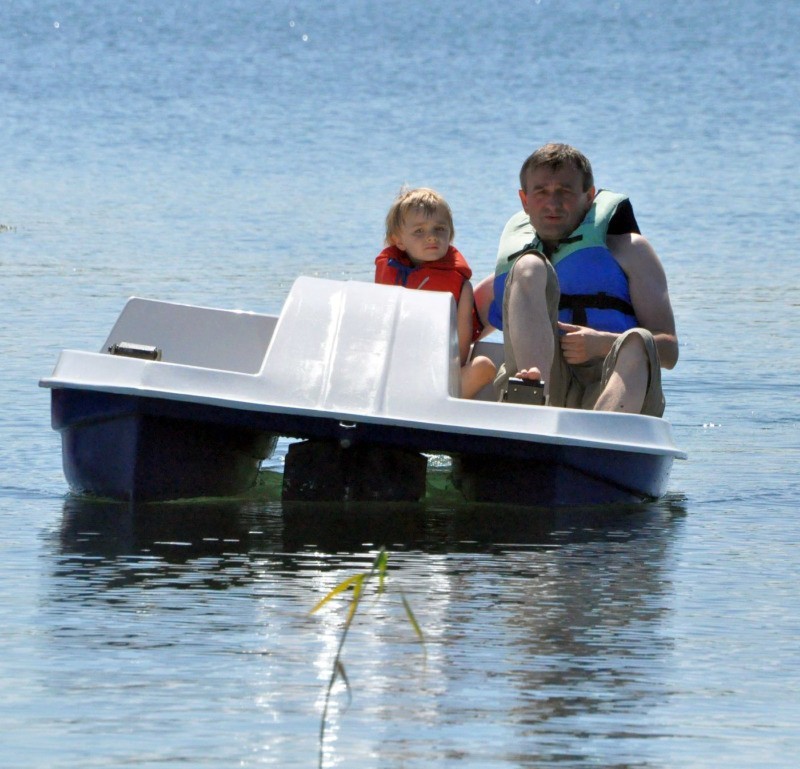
554,156
427,200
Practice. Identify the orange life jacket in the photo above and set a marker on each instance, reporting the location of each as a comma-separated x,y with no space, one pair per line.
392,266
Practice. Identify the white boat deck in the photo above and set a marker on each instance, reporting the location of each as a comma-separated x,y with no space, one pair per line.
349,350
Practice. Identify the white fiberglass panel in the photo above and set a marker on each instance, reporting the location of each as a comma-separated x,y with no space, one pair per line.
356,347
229,340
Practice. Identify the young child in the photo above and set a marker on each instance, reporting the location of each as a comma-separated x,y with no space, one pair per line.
419,254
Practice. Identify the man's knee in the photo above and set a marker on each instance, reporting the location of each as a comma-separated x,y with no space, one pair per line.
635,355
638,355
530,267
632,348
528,275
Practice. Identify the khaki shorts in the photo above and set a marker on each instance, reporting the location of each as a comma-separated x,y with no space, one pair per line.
579,387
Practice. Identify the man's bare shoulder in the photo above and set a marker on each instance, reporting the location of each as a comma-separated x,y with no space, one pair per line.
632,251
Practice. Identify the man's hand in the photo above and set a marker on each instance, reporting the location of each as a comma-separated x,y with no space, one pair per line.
580,344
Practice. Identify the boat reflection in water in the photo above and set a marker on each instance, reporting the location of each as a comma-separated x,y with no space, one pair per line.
543,627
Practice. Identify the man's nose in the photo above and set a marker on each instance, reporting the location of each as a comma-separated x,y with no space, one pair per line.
555,200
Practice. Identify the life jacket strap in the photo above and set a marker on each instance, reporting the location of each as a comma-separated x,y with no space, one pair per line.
579,303
403,271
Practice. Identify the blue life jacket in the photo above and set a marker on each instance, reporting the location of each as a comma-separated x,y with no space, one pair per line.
594,289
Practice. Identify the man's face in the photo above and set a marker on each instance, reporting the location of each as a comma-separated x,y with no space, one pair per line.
555,201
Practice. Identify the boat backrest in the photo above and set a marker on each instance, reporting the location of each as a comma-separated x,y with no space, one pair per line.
360,347
229,340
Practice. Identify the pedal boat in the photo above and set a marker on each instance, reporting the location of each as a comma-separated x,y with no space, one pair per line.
184,401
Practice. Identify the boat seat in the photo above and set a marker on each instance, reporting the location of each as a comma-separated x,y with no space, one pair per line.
228,340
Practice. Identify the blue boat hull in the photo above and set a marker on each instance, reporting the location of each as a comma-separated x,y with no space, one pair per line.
145,449
135,449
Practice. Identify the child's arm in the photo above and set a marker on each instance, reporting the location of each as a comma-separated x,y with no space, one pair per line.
464,319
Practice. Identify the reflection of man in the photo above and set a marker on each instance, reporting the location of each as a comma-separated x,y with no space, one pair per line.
580,294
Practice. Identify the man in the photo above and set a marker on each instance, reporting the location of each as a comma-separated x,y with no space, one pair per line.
580,294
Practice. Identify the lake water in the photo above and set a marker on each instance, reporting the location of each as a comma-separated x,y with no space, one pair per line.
209,152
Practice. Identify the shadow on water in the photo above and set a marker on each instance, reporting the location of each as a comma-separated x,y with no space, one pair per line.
181,531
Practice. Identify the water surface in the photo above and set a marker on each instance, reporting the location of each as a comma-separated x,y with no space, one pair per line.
210,153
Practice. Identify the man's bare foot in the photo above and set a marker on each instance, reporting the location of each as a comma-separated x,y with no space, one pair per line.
529,373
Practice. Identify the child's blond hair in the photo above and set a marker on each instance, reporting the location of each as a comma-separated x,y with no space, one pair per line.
424,198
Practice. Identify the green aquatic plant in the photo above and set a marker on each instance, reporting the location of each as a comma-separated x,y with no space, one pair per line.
357,584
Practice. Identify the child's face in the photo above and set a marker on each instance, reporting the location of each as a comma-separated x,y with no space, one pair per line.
424,238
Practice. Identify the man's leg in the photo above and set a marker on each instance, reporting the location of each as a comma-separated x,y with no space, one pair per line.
632,376
527,323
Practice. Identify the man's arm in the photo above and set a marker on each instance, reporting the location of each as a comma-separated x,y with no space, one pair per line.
484,295
649,294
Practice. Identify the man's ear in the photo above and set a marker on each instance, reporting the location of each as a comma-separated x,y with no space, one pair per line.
524,200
